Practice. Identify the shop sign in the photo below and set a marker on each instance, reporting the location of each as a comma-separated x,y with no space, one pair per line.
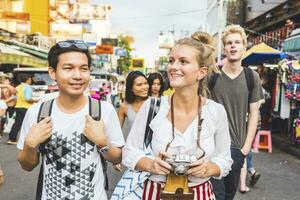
109,41
14,15
73,31
166,41
77,11
120,52
103,58
137,63
104,49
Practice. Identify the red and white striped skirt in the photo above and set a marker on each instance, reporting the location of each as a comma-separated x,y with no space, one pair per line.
204,191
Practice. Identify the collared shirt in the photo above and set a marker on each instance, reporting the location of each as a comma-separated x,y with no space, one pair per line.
214,138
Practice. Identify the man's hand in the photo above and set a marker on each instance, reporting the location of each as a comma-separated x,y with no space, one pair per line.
39,133
245,151
94,131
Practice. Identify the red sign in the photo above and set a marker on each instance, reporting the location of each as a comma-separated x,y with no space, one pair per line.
104,49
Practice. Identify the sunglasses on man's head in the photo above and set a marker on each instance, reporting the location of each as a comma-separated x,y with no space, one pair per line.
76,43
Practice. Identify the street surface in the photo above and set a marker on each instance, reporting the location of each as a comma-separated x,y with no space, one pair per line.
279,180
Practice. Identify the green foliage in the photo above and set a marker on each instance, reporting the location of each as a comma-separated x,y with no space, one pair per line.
125,43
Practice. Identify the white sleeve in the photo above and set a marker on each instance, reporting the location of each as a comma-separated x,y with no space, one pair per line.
29,119
112,125
222,155
133,150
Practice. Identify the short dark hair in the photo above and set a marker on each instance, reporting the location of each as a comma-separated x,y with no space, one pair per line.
129,95
56,50
24,77
151,79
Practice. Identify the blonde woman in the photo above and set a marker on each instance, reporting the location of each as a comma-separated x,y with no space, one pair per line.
186,123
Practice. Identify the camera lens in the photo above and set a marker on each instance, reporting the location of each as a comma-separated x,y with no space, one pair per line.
180,170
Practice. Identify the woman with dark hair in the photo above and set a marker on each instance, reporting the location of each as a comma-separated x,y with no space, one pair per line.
136,93
156,83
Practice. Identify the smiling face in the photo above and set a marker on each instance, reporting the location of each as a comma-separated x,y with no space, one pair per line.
234,47
72,73
140,87
183,68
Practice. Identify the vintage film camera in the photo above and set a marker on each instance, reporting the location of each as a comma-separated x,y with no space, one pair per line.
180,163
177,182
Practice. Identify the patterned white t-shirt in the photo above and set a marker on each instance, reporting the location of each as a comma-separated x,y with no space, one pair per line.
72,165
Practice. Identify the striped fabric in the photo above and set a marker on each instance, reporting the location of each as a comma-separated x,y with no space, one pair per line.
203,191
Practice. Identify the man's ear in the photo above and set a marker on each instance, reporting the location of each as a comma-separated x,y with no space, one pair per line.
52,73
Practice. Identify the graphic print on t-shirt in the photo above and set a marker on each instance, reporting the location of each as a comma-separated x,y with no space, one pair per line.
66,177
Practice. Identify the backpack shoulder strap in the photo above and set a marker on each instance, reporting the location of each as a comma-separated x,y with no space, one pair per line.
95,108
44,111
95,113
153,110
249,78
212,81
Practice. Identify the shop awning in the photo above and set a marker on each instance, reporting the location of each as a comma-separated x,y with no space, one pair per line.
11,56
261,53
292,44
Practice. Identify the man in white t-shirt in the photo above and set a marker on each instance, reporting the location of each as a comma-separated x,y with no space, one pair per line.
73,140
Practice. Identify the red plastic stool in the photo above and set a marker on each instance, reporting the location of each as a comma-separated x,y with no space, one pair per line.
263,140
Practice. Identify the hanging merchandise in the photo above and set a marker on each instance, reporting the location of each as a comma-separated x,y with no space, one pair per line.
290,71
296,135
292,89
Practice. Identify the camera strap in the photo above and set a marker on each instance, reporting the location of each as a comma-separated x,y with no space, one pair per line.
200,120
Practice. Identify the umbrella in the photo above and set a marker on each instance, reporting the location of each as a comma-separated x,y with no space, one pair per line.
261,53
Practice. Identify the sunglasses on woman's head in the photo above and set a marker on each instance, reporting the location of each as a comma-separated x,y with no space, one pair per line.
76,43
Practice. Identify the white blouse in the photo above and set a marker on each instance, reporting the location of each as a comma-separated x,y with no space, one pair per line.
214,138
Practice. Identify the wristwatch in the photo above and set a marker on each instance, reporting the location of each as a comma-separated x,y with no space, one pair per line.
103,150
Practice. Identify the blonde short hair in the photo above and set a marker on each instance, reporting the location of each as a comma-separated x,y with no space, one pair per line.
234,28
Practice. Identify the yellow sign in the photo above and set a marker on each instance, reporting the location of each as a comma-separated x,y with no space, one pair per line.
137,63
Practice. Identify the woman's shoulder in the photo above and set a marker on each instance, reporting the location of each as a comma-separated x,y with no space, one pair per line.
124,107
214,107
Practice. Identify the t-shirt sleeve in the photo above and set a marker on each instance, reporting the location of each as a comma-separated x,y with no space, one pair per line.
256,93
112,125
27,93
29,119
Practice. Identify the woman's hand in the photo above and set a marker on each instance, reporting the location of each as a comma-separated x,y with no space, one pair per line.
159,166
200,168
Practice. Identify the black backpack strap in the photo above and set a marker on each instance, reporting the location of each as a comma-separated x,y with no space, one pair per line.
212,81
250,82
153,110
44,111
95,113
249,78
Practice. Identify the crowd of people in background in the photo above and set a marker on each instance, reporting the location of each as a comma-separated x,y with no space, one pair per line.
185,96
